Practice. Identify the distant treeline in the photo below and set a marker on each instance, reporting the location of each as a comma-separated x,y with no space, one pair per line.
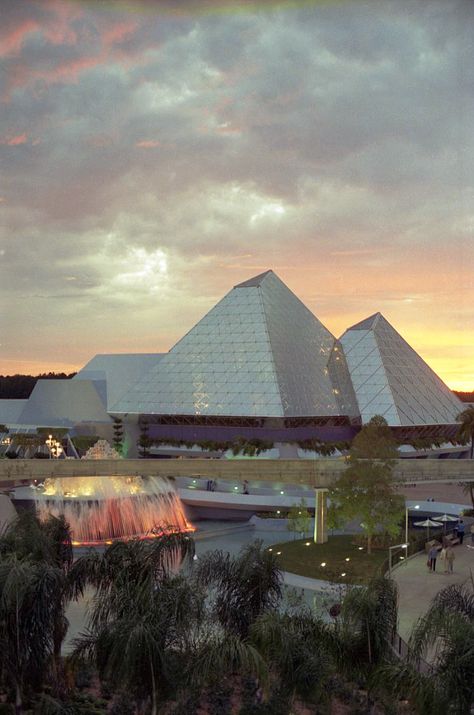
20,387
465,396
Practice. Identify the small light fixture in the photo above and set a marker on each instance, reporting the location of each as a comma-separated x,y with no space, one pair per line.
278,511
343,574
347,559
281,491
270,549
308,543
361,548
278,553
323,564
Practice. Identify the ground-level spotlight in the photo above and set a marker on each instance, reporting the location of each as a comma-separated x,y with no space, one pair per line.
347,559
323,564
343,574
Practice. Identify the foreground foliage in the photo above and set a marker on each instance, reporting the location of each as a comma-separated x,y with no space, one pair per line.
170,635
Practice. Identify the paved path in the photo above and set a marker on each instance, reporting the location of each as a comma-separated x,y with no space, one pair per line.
417,586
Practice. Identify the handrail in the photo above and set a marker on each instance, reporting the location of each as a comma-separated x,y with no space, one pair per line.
398,645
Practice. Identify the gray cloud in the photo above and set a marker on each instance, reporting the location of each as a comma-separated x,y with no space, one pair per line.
130,138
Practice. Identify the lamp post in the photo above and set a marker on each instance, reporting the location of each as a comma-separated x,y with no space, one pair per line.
407,509
55,448
390,549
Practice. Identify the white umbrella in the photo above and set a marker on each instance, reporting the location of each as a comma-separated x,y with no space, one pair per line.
445,518
427,523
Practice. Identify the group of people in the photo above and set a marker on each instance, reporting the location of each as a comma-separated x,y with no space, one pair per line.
447,555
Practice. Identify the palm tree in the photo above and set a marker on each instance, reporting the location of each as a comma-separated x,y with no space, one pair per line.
47,545
465,432
244,586
299,649
366,625
141,614
28,598
142,563
445,635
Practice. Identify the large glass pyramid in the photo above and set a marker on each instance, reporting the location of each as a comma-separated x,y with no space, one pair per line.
259,352
392,380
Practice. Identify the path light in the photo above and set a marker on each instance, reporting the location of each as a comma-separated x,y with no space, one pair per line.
270,549
308,543
390,549
343,574
323,564
278,553
282,492
347,559
361,548
236,488
278,511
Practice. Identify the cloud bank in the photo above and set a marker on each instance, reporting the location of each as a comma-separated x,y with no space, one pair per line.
151,158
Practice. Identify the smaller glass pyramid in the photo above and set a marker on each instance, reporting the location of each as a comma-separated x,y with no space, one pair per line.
392,380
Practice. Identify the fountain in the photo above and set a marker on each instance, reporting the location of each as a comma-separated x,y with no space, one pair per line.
102,509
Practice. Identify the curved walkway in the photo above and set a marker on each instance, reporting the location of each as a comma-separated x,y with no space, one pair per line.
417,586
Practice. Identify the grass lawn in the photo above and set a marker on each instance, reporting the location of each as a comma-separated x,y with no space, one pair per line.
339,555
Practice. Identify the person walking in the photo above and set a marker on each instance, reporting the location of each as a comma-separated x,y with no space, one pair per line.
450,556
245,487
432,556
461,531
442,556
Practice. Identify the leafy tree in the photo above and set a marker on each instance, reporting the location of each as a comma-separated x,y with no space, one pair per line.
466,428
299,519
367,489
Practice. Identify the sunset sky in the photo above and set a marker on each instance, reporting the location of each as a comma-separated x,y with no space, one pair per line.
153,155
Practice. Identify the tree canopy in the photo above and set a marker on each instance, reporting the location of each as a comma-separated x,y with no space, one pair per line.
367,488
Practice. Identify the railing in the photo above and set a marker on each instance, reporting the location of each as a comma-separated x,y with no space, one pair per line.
398,645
